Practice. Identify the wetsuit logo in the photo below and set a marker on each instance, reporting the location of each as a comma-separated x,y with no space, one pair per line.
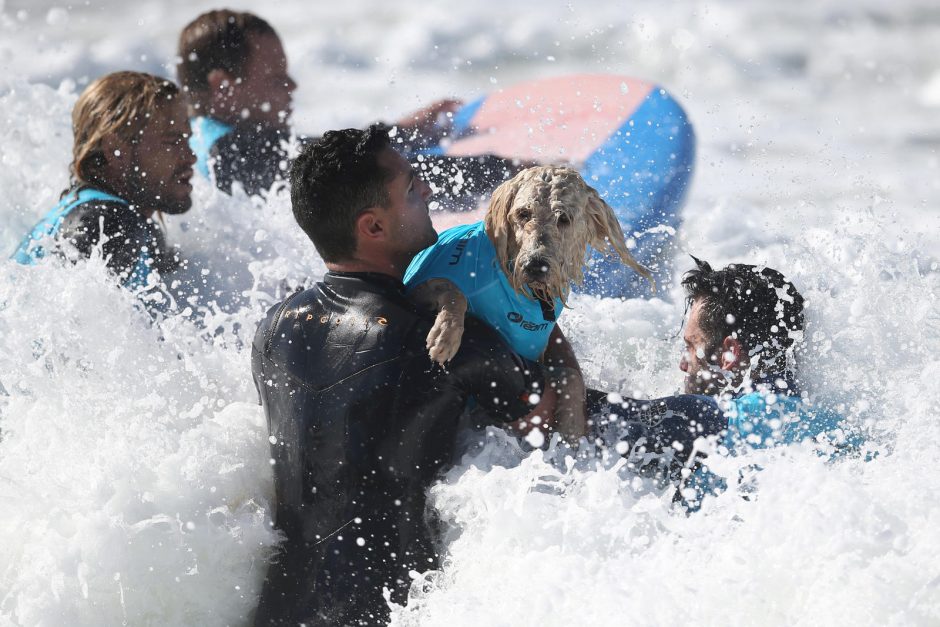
458,252
516,318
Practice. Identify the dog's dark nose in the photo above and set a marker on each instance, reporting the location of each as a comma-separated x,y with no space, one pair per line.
537,268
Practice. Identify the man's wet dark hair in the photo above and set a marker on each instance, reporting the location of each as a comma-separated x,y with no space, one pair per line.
217,40
756,305
333,181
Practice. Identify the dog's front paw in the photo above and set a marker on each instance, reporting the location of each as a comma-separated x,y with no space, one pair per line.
444,337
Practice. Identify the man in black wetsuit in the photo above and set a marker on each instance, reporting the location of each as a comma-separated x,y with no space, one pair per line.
131,163
233,67
360,419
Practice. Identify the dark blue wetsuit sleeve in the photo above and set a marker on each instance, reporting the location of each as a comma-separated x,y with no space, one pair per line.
478,176
670,424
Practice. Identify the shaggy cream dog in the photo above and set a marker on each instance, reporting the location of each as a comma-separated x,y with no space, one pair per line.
537,231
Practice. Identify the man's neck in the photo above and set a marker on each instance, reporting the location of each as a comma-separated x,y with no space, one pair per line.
379,263
358,265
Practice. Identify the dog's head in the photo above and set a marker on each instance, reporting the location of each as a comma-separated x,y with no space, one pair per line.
541,223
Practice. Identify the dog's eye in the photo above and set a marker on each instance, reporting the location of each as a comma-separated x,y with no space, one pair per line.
524,215
563,219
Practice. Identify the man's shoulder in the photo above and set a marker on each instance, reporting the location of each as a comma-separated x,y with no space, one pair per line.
328,312
277,311
112,211
766,417
321,336
90,219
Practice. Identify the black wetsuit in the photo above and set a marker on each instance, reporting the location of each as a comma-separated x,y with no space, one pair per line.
460,183
253,156
256,157
361,423
128,236
663,425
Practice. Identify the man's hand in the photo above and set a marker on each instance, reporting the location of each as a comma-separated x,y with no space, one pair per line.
430,122
561,408
542,417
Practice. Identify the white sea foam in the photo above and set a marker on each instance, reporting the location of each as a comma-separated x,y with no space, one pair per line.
134,472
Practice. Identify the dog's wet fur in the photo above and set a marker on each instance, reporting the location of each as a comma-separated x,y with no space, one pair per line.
541,223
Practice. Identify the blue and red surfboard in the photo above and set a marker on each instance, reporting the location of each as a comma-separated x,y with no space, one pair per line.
629,139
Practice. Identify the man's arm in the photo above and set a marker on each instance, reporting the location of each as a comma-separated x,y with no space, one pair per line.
423,421
428,124
563,371
459,183
541,418
663,425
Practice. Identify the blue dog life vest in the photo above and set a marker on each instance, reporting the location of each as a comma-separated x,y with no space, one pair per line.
206,132
30,251
466,256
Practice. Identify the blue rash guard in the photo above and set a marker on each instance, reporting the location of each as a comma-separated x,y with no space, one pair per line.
763,419
466,256
771,415
30,251
206,132
132,245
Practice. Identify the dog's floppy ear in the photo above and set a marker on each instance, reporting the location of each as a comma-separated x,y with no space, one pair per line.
606,234
497,222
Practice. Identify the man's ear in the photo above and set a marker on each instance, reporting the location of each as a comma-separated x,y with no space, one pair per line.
112,148
112,160
369,226
731,354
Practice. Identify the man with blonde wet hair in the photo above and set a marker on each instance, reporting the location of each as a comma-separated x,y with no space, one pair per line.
130,163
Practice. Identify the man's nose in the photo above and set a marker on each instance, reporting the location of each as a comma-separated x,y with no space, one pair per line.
683,363
188,155
425,189
291,84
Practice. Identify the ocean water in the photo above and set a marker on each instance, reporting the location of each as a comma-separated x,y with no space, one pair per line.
134,474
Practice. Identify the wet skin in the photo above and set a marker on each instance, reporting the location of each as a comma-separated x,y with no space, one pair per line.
264,90
699,361
153,171
407,217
